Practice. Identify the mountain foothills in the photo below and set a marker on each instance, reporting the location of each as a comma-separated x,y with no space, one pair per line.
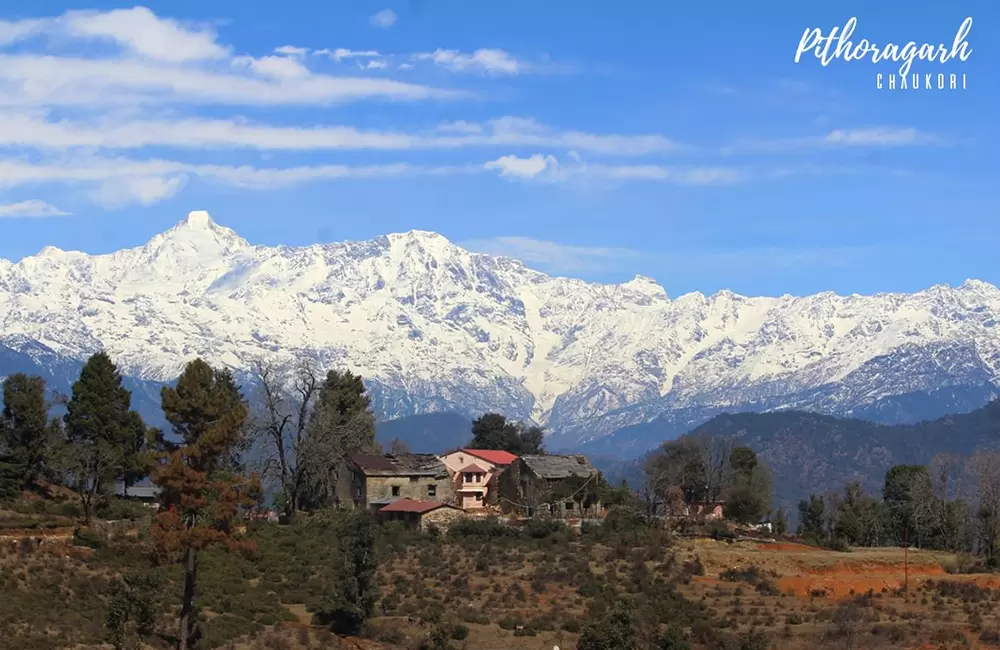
434,328
812,453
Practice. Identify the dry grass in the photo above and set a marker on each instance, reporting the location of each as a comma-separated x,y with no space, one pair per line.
481,593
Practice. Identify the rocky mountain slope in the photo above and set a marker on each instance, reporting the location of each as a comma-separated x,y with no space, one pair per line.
436,328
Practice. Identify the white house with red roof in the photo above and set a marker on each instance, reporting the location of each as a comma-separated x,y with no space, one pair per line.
474,472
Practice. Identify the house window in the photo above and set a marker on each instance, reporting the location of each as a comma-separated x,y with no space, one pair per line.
413,479
569,505
395,490
432,490
479,496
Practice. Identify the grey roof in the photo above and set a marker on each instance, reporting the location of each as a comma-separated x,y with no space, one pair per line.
558,467
400,465
140,491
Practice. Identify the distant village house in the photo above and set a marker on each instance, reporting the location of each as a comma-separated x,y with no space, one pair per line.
377,481
420,515
557,486
475,473
147,495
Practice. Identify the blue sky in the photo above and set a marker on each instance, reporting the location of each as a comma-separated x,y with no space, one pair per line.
597,140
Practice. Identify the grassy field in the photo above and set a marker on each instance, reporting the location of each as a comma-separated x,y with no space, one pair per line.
511,593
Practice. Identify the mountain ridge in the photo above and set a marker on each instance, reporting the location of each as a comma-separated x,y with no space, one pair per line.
436,328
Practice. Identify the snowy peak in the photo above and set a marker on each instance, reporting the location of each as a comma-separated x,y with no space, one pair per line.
435,327
197,238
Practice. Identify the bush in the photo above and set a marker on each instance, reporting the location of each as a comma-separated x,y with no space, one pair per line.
88,538
460,632
481,529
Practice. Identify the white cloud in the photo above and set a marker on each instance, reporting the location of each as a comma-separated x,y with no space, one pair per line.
33,129
120,181
385,18
490,61
162,61
142,190
291,50
275,67
14,31
342,53
882,136
144,33
376,65
29,210
30,80
547,169
552,256
523,167
137,30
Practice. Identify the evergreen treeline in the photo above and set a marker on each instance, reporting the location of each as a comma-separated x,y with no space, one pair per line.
951,504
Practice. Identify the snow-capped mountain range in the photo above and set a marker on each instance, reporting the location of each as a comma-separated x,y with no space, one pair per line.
434,327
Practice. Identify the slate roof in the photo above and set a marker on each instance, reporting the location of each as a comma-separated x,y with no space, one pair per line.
495,456
138,491
559,467
400,465
411,505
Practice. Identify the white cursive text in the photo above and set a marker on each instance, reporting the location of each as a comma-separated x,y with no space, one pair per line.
813,39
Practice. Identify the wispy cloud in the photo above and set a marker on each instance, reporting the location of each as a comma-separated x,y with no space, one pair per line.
137,30
33,209
553,257
35,130
121,181
489,61
870,137
162,61
548,169
385,18
121,191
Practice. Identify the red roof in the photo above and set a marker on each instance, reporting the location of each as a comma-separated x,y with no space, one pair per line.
472,469
411,505
495,456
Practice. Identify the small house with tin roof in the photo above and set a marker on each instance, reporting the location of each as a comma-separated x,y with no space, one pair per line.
379,480
551,485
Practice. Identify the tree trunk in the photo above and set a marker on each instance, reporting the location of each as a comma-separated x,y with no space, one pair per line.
87,507
187,607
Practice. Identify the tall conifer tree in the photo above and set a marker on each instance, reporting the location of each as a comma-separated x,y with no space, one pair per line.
202,495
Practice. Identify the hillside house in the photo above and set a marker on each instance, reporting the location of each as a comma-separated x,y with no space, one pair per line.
147,495
377,481
557,486
421,515
713,510
474,474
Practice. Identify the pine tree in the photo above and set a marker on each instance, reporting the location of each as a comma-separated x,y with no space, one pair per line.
202,496
26,433
341,424
101,431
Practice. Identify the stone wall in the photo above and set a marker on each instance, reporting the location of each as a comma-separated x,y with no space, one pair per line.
379,488
441,518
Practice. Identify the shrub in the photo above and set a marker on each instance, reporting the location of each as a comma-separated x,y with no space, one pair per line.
460,632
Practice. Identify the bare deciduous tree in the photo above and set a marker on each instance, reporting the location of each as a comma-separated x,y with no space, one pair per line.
282,409
986,469
715,451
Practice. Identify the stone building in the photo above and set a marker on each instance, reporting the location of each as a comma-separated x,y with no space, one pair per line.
377,481
421,515
553,486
